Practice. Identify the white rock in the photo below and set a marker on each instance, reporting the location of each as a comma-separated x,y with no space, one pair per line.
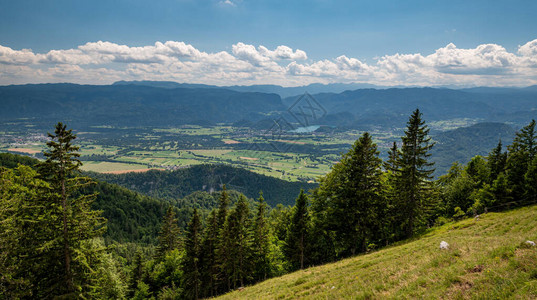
444,245
531,243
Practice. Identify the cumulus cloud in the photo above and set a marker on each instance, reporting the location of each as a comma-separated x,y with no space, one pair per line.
227,3
105,62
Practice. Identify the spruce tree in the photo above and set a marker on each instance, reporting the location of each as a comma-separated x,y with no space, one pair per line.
26,267
169,237
209,256
297,235
520,155
414,174
530,179
496,162
261,242
320,237
223,204
222,283
191,263
355,197
393,154
136,274
77,221
236,245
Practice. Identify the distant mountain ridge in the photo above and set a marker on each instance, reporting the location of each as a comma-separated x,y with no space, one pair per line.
313,88
132,105
170,104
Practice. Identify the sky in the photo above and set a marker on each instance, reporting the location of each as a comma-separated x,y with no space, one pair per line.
289,43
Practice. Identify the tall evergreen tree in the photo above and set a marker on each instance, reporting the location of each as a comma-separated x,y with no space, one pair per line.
355,196
191,264
261,242
223,204
530,179
169,237
222,284
520,155
77,221
25,231
236,245
209,256
496,162
321,238
414,174
136,275
297,235
393,155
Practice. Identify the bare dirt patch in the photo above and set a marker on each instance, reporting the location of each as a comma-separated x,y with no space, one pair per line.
292,142
248,158
24,150
130,171
231,142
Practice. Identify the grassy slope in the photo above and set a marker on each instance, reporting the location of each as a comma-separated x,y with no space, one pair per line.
487,259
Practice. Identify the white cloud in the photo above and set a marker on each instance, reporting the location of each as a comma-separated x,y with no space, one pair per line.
105,62
227,3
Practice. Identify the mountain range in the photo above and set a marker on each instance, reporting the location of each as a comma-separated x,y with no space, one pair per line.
163,104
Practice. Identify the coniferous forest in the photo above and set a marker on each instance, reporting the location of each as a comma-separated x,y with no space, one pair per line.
66,235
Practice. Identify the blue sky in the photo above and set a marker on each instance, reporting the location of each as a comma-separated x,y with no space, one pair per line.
325,30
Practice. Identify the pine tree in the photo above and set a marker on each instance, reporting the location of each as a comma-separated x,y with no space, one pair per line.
223,204
321,238
355,197
222,283
261,242
530,179
393,155
191,264
169,237
390,195
136,274
414,174
520,155
73,210
496,162
236,245
297,235
209,256
24,234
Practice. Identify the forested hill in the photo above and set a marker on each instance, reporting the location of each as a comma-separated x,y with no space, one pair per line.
180,183
135,217
132,217
461,144
119,105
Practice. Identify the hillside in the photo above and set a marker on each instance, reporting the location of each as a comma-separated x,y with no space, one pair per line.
180,183
487,259
461,144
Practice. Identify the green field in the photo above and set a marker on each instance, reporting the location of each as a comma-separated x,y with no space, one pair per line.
290,156
487,259
109,167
